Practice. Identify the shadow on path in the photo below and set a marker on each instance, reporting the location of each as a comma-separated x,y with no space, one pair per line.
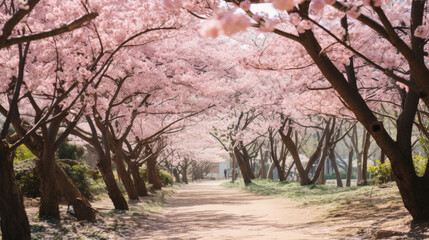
208,211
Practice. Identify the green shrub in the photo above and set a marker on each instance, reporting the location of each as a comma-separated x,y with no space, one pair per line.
98,187
420,160
29,182
342,174
27,177
420,163
80,176
67,150
381,172
165,177
22,153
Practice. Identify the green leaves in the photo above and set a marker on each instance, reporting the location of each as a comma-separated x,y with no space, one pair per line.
381,171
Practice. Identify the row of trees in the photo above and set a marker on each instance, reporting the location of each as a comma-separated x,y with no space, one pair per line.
133,81
92,71
359,50
287,150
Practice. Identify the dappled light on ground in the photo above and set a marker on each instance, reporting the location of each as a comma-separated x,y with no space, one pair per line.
207,211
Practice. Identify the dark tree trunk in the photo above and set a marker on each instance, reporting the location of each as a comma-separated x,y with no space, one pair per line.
349,169
292,147
271,171
280,171
233,173
176,176
318,172
47,168
289,170
185,178
83,209
184,172
138,180
246,160
153,174
242,166
365,159
125,177
81,206
414,190
263,167
115,194
382,157
274,157
13,218
322,173
335,167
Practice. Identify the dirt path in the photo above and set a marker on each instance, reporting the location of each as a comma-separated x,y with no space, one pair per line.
208,211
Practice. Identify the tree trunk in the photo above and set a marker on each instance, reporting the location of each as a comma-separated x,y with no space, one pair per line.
176,176
271,170
322,173
303,174
125,177
365,159
113,190
359,168
139,183
382,157
263,167
280,171
233,173
184,173
320,167
289,170
47,168
349,169
274,157
13,218
242,166
318,171
246,160
153,174
82,208
414,190
335,167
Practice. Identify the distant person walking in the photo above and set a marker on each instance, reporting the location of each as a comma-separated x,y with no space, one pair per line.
225,172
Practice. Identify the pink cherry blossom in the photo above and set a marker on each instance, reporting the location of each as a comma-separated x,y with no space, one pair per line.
375,3
317,5
354,12
245,5
234,22
268,26
211,28
422,31
294,18
284,4
173,4
304,25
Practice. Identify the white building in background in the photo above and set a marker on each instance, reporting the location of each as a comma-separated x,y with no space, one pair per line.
222,167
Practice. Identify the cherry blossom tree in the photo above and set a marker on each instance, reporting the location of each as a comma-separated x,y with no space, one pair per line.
401,59
14,17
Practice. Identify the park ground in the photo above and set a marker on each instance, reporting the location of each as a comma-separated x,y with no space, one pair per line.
264,210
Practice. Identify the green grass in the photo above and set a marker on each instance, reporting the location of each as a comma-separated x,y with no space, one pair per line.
317,194
111,224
